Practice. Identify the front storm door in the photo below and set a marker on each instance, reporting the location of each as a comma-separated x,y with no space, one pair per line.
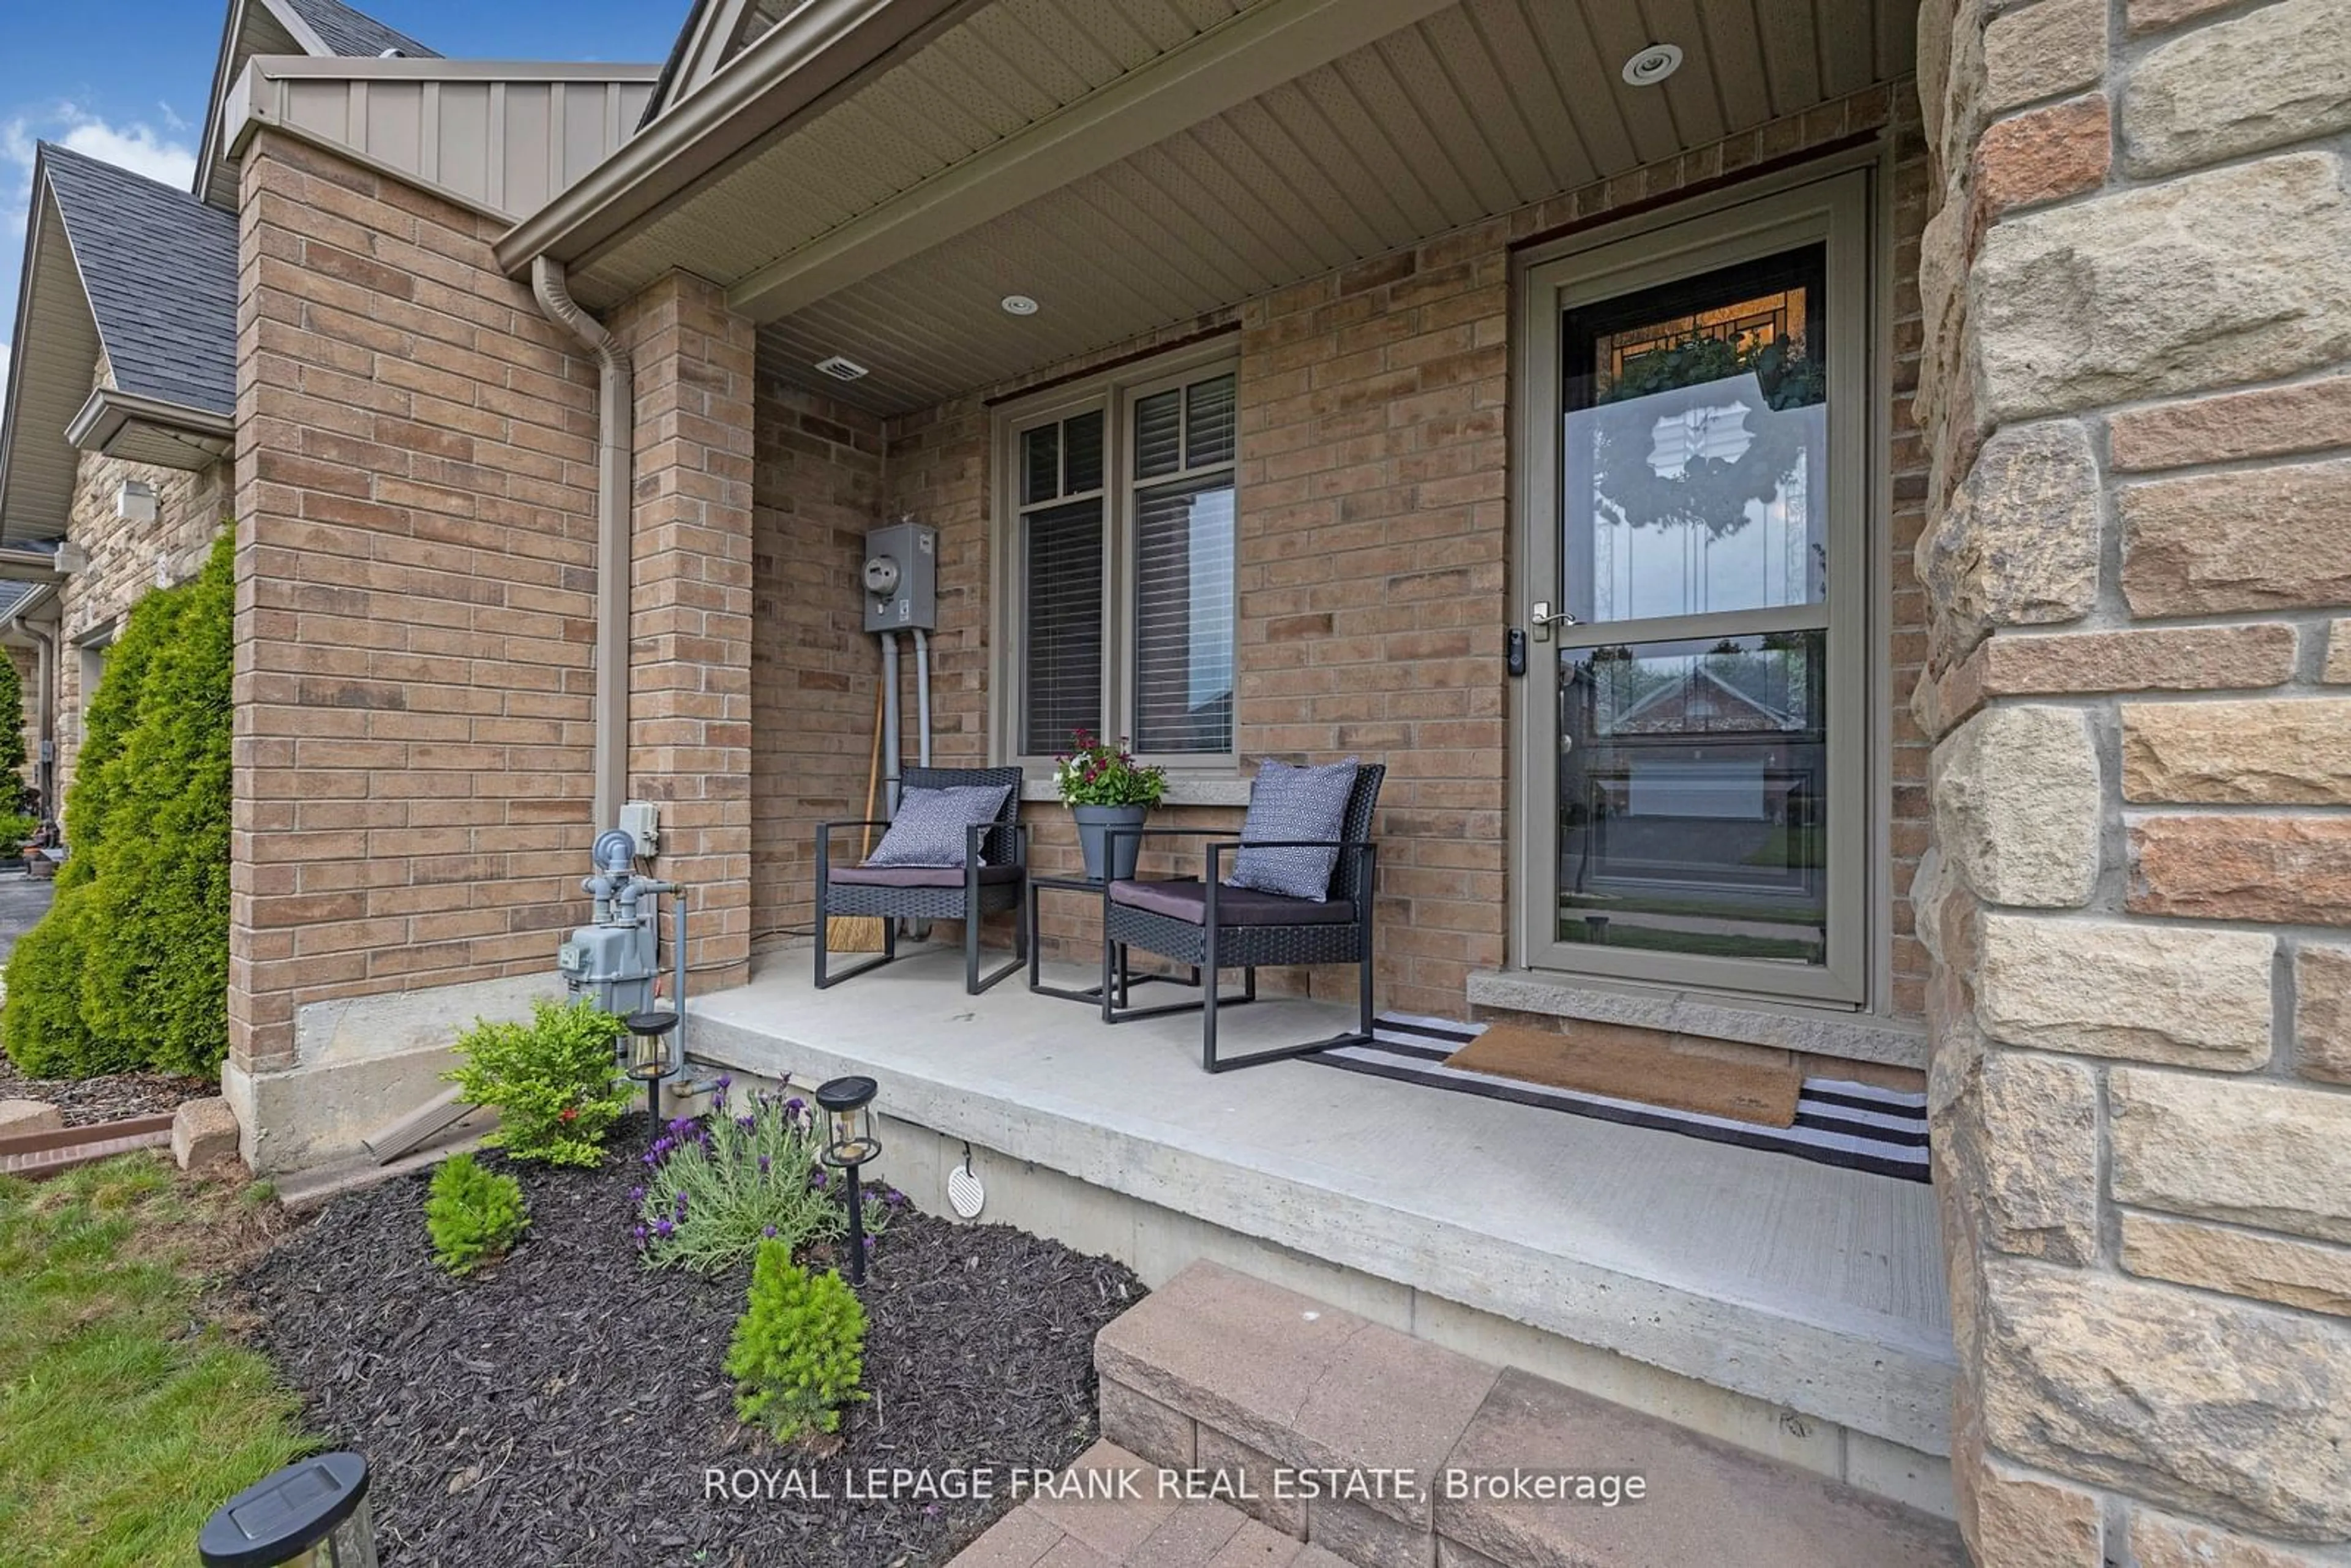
1695,757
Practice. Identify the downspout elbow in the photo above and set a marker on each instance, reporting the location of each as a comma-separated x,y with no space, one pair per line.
615,427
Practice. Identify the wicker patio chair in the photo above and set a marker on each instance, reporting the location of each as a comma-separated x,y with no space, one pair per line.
1200,922
963,893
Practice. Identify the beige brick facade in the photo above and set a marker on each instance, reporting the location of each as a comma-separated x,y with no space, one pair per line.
416,577
1374,550
2130,365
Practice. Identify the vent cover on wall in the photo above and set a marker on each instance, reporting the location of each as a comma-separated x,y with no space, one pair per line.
841,370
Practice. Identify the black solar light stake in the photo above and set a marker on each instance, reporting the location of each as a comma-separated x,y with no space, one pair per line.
649,1061
311,1514
848,1143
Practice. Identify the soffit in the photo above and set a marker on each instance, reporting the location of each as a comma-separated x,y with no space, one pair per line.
1485,106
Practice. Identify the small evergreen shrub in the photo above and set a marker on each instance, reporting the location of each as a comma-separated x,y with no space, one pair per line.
472,1215
719,1186
555,1081
130,967
798,1351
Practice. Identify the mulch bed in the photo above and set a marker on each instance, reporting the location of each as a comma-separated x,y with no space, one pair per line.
561,1407
84,1101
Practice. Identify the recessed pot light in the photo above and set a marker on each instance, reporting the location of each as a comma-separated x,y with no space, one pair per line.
1019,304
1652,65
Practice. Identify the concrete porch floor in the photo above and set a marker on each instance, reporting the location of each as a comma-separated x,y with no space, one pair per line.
1813,1289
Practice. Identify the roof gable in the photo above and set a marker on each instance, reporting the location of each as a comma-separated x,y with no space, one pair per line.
159,269
319,28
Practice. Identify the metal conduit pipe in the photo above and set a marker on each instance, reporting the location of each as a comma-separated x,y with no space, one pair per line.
892,752
615,419
923,694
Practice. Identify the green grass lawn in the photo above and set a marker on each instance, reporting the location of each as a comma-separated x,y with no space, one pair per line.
127,1415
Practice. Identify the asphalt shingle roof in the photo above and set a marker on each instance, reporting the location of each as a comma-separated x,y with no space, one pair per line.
352,34
159,267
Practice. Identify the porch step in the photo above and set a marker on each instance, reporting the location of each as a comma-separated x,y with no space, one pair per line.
1224,1374
1082,1530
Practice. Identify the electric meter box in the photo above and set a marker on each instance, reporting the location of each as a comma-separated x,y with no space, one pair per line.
901,579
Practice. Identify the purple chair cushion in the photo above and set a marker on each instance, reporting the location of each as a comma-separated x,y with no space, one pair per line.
1187,900
871,875
929,827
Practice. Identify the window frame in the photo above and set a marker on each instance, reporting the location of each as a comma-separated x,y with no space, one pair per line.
1114,391
1837,207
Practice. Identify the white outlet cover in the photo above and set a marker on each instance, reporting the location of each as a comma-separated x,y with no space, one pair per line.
965,1193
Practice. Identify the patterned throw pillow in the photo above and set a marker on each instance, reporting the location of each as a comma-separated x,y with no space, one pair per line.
929,829
1287,803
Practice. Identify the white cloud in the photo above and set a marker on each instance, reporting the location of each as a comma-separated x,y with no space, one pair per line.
136,146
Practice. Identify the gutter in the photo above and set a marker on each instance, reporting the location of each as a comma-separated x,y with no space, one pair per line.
44,640
615,419
796,69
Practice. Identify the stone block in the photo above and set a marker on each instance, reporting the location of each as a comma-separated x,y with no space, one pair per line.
1145,1428
2025,1521
2238,1262
1393,1401
1277,1508
2157,1541
2294,871
1368,1537
2017,807
2212,280
29,1116
2277,75
2273,421
2037,1157
1255,1546
2337,670
2042,50
2018,542
2097,987
2322,1012
2155,16
2293,752
2257,538
1113,1525
2040,156
1706,1502
2232,1411
203,1134
1019,1539
1191,1537
2248,1153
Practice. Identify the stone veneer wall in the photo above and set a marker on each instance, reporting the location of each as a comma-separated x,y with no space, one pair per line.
2138,325
1374,552
415,604
126,560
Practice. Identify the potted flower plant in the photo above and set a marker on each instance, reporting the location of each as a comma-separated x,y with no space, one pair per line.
1105,789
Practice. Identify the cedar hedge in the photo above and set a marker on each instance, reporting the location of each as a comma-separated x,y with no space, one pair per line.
130,967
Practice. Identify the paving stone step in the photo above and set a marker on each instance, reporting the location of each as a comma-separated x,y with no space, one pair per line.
36,1157
1388,1450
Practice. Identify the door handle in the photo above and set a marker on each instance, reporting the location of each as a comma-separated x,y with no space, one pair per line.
1541,618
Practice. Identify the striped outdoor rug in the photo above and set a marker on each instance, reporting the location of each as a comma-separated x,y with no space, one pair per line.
1859,1126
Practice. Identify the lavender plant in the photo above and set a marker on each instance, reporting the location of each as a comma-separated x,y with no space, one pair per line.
717,1186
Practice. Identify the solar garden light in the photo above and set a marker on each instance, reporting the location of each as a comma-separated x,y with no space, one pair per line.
311,1514
848,1143
649,1061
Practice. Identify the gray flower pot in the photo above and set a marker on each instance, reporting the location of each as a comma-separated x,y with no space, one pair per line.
1092,823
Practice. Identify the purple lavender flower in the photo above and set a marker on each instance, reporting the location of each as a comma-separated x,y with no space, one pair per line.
663,1229
650,1158
681,1206
768,1231
636,1195
747,1123
639,1233
869,1244
763,1165
894,1198
724,1081
816,1178
795,1104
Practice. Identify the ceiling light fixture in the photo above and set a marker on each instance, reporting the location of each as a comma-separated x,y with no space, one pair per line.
1652,65
1019,304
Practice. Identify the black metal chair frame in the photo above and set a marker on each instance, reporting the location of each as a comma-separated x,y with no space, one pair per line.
1004,842
1210,946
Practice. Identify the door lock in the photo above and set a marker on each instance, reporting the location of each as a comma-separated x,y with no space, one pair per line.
1541,618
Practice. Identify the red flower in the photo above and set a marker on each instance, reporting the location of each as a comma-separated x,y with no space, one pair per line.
568,1114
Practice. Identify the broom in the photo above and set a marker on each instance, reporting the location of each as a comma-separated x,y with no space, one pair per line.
861,933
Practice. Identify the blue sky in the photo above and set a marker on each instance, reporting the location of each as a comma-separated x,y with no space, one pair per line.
127,82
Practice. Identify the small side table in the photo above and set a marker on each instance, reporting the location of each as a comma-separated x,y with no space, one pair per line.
1091,995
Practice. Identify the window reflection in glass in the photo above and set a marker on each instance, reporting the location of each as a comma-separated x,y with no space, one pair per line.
1693,791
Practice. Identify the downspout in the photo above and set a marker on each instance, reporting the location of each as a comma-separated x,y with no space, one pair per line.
615,410
45,763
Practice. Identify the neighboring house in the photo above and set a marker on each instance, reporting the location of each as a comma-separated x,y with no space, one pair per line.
1264,364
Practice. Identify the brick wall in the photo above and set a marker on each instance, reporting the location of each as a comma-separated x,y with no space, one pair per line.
690,600
817,489
416,581
2138,328
1374,551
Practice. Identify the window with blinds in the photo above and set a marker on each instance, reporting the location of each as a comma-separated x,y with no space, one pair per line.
1121,614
